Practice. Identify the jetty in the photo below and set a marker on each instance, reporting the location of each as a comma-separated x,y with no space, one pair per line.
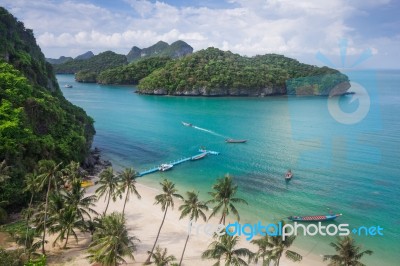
179,161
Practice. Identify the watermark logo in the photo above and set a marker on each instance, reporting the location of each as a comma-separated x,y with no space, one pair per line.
345,121
360,95
249,231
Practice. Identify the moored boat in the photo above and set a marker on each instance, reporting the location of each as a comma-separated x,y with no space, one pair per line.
67,86
288,175
236,140
187,124
314,218
198,157
164,167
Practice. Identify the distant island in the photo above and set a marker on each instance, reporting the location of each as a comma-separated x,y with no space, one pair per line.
164,69
212,72
88,67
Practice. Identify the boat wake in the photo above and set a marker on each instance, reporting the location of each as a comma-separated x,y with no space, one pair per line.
209,131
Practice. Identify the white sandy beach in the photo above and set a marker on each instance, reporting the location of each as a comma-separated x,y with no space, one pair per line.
143,221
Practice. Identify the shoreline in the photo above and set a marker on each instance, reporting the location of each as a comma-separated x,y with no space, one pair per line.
143,219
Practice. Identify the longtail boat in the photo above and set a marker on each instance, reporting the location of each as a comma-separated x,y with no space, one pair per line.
236,140
314,218
187,124
198,157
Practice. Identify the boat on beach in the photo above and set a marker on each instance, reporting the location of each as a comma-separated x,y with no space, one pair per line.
67,86
236,140
314,218
187,124
288,175
164,167
198,157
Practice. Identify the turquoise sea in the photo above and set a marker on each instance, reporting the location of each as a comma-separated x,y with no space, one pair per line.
351,169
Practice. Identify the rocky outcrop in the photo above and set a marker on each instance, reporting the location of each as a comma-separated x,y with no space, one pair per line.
93,164
216,92
175,50
85,56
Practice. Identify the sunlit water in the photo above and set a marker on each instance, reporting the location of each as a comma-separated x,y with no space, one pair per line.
351,169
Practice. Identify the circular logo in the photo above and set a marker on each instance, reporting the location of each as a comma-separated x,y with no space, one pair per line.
360,94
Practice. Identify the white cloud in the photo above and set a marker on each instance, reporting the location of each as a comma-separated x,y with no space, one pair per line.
292,27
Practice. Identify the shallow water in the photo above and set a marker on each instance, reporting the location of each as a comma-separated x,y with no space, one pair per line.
351,169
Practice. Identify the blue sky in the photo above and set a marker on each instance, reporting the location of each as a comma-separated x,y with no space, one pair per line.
295,28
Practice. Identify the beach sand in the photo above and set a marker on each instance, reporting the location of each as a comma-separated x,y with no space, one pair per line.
143,221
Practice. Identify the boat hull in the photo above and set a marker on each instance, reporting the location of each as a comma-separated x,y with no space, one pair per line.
198,157
236,140
314,218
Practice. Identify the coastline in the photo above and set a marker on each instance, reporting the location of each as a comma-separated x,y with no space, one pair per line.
143,220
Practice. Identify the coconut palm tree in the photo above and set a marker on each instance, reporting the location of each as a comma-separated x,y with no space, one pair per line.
76,197
28,241
128,183
65,224
161,257
49,172
195,208
224,197
31,186
166,199
224,249
262,252
71,173
271,248
4,171
108,186
347,253
111,241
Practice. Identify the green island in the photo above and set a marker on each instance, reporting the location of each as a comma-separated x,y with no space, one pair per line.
87,69
44,138
212,72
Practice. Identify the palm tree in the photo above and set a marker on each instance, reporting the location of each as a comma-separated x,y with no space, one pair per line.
31,186
347,253
71,173
224,197
111,241
166,199
28,241
76,198
263,252
4,171
194,208
108,186
65,224
224,249
271,248
161,258
128,183
49,172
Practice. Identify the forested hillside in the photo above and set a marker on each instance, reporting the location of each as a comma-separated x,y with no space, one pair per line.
212,72
87,69
36,121
132,73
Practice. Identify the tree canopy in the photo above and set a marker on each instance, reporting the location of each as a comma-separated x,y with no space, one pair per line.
215,72
36,121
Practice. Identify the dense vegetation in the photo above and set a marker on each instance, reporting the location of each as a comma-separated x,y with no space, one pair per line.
36,121
215,72
87,69
175,50
132,73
